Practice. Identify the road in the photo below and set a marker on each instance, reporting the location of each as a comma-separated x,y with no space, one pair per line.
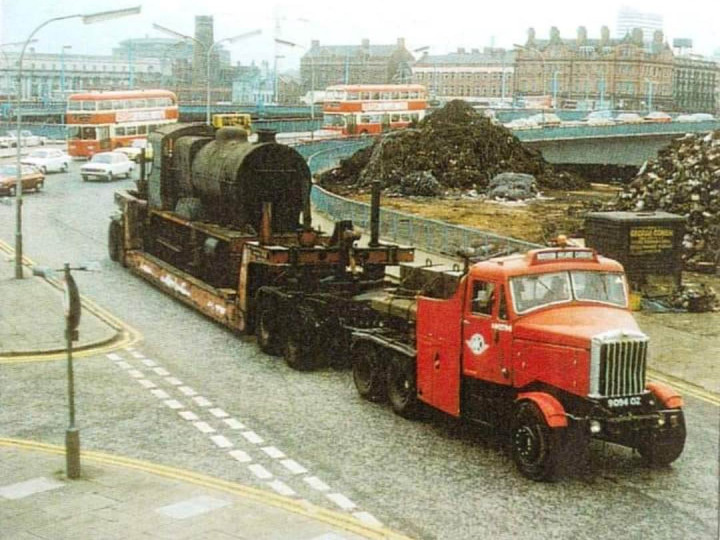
193,395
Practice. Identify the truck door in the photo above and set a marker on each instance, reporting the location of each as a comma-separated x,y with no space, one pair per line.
486,333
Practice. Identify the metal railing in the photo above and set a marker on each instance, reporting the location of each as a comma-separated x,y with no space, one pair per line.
426,234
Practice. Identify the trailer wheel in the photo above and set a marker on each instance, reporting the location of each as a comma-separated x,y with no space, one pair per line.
664,447
266,327
535,445
296,353
402,388
367,371
115,240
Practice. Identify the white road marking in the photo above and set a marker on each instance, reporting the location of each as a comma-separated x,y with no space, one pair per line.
273,452
252,437
315,483
146,383
161,371
282,488
138,354
293,466
123,365
160,394
114,357
192,507
367,518
341,500
221,441
188,415
187,391
135,373
173,404
241,456
234,424
202,402
204,427
218,413
261,472
173,381
151,363
24,489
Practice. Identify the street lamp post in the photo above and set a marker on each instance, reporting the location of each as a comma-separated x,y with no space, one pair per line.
89,18
208,51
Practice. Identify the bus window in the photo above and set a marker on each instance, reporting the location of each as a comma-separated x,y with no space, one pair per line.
366,96
131,130
376,95
88,134
106,105
403,95
75,106
88,105
120,131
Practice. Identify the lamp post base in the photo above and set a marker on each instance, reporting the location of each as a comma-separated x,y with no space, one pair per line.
72,453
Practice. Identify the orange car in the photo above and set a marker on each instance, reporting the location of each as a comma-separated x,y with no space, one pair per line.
32,179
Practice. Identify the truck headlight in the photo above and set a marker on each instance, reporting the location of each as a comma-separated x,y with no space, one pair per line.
595,427
661,421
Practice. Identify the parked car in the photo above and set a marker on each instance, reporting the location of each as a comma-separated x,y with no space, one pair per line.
47,160
107,165
629,118
546,119
136,146
31,178
658,116
703,117
26,139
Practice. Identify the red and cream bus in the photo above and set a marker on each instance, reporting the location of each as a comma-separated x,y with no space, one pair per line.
358,109
103,121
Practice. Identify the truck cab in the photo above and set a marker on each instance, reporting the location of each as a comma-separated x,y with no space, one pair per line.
543,346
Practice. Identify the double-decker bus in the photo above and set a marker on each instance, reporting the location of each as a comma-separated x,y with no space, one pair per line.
358,109
103,121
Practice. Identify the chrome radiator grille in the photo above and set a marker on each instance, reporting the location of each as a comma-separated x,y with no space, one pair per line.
617,364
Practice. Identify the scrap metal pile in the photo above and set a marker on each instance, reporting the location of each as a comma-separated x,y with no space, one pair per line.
684,180
454,149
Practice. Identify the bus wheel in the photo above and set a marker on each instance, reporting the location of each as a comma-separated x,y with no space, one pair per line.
402,388
535,445
367,371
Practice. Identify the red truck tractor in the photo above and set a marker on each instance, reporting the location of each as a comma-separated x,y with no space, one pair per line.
541,344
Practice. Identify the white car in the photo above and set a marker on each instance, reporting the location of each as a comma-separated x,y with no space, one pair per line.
47,160
26,139
136,146
107,165
629,118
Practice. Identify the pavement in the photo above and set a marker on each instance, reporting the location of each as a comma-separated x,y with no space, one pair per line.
117,497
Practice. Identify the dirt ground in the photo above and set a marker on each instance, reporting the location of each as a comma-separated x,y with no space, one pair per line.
537,220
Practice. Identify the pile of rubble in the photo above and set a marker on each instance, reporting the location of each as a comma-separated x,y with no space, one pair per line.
453,149
685,180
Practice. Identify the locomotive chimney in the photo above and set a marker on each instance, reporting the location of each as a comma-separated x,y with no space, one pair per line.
375,215
266,135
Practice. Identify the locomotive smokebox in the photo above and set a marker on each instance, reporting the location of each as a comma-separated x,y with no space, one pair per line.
233,178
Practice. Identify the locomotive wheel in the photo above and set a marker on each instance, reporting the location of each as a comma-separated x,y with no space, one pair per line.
535,445
115,240
663,448
266,328
367,371
402,388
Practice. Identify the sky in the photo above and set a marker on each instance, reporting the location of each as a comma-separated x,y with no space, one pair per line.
442,26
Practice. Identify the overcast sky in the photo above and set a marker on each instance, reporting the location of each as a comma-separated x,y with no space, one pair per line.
442,25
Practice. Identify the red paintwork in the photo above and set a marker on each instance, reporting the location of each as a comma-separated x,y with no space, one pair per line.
122,94
667,396
551,408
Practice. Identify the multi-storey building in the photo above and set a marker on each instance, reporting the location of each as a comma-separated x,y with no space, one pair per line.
628,19
325,65
597,73
695,84
481,76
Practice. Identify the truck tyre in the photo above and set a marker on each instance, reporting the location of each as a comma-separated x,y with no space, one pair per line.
296,353
534,444
367,371
115,240
402,387
266,327
662,448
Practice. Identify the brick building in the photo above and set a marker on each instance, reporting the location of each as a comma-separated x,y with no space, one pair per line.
481,76
695,84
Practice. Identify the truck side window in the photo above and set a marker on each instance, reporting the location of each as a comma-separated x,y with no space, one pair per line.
482,297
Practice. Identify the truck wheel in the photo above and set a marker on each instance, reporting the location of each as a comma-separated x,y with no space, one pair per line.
402,388
662,448
115,240
534,444
266,328
296,353
367,371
